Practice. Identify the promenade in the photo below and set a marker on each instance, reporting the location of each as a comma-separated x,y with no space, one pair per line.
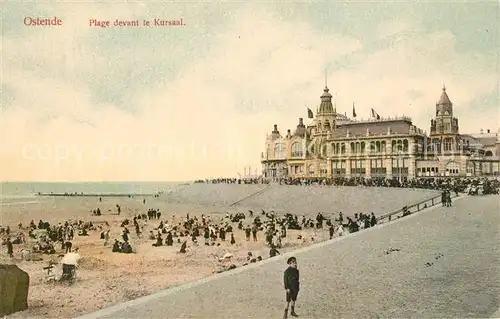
358,277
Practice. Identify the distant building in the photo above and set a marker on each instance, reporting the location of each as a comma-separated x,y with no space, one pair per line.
336,145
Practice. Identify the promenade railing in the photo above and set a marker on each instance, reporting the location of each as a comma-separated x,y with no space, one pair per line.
413,208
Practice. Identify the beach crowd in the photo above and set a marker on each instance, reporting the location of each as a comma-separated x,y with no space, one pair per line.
459,184
160,230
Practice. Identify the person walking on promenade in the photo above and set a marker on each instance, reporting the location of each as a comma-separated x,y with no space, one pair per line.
291,280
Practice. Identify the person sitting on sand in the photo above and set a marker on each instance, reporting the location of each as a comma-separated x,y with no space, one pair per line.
183,247
49,249
170,239
126,248
159,241
20,239
232,239
273,251
83,232
116,247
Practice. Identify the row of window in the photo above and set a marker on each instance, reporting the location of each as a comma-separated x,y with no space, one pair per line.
427,169
356,167
360,171
376,167
297,148
436,145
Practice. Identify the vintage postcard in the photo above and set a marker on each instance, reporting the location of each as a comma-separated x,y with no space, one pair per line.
249,159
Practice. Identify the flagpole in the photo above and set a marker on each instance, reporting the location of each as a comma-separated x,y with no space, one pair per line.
305,145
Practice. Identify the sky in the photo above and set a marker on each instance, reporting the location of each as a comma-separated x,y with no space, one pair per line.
178,103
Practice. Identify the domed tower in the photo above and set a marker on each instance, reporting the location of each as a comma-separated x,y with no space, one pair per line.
326,114
444,122
444,127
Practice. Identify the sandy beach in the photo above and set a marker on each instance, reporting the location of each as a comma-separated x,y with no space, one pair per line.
105,278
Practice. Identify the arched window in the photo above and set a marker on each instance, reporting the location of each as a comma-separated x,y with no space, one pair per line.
394,150
488,153
373,147
279,151
377,147
405,146
399,146
362,147
358,147
353,149
297,149
436,145
342,148
470,168
447,144
327,125
383,146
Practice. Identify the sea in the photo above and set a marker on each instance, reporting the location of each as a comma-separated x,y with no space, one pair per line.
27,190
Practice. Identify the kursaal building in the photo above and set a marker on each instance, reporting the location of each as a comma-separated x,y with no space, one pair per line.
334,145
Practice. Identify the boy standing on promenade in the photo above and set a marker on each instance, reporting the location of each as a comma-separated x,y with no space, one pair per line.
291,279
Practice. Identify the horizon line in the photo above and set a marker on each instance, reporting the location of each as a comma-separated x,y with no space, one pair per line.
95,181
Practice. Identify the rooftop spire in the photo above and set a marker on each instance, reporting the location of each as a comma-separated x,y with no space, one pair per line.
444,99
326,78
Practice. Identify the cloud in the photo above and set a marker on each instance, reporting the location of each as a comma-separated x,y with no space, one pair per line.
386,79
85,105
393,28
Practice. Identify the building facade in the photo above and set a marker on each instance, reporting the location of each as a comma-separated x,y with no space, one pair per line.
335,145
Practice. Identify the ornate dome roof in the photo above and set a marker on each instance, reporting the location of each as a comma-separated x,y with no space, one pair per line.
326,105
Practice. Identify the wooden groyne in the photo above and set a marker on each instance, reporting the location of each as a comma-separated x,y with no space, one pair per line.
91,195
